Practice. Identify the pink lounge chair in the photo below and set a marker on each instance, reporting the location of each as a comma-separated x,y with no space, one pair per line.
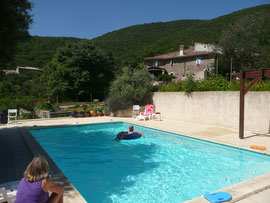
149,109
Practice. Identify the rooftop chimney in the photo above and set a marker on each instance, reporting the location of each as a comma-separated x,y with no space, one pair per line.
181,50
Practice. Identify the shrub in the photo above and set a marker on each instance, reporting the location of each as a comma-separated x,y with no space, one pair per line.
43,106
172,87
26,116
11,103
133,86
165,77
189,85
88,109
234,85
213,84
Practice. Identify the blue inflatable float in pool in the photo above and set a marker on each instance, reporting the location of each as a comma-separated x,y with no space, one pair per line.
128,136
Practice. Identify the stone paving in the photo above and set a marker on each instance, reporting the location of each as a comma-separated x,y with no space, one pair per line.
253,190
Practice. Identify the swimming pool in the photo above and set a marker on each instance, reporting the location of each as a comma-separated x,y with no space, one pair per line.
164,167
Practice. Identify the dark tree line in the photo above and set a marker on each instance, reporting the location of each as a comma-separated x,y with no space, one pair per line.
78,72
15,20
244,46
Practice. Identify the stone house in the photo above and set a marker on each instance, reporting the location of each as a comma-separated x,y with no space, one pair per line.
196,60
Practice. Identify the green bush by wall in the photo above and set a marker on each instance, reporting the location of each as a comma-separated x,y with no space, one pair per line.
211,84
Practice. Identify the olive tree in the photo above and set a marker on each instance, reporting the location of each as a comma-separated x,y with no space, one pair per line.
239,45
131,86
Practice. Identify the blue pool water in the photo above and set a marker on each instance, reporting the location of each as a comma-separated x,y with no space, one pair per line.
163,167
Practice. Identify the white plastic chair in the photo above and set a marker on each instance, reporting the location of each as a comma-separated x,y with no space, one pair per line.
7,196
142,117
157,115
135,110
8,191
12,113
3,195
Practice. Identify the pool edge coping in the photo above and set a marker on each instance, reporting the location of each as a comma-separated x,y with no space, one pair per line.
71,194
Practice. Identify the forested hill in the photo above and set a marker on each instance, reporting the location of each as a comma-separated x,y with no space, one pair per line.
124,43
38,51
137,42
130,42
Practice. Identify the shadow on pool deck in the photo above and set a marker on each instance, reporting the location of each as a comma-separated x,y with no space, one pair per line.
15,155
17,149
258,135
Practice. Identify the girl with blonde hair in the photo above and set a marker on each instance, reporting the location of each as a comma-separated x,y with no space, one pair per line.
36,184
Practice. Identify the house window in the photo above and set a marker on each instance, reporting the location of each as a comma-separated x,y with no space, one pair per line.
171,62
156,63
171,73
198,61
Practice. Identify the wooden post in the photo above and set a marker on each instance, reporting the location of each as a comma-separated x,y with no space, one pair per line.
242,105
256,75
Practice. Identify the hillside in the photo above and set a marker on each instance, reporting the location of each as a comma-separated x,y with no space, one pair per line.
206,31
38,51
134,43
129,42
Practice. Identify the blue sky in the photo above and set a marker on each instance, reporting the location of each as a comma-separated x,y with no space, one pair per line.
92,18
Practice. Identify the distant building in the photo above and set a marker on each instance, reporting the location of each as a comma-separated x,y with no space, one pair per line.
196,60
23,70
10,71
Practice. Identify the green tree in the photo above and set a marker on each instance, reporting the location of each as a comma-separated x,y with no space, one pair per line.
15,19
131,86
240,44
20,91
17,86
77,71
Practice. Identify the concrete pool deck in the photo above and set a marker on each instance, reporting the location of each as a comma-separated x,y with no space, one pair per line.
253,190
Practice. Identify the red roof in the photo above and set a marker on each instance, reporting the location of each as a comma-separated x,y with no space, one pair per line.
187,53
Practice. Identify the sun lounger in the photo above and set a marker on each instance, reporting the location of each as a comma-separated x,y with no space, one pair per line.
149,109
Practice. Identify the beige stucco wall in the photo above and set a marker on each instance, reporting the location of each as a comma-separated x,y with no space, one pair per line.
216,108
